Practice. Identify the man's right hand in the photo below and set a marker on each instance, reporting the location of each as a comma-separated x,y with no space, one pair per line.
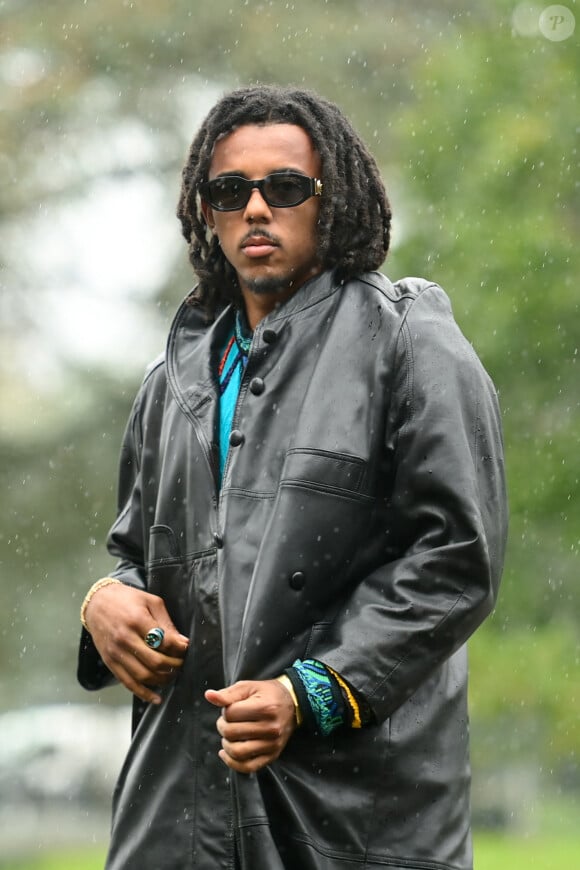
118,617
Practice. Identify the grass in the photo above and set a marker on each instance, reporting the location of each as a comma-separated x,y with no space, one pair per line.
492,852
73,859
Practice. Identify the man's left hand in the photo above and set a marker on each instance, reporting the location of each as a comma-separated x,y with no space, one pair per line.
257,720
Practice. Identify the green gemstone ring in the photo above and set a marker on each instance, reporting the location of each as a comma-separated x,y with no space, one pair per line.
154,638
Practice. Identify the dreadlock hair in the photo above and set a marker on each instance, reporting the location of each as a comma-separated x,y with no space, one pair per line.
355,215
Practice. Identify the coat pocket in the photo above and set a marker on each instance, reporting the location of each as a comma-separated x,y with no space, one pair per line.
338,473
163,546
169,575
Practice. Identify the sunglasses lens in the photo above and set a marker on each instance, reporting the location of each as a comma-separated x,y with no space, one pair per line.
286,190
229,193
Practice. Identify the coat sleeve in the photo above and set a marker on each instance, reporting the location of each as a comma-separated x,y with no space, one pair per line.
125,541
446,506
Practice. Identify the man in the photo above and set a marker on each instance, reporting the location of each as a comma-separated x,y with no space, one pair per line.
311,524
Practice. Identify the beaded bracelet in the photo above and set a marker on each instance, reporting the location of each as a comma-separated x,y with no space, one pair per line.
105,581
319,695
356,718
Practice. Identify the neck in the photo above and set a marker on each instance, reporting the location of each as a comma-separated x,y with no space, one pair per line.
260,303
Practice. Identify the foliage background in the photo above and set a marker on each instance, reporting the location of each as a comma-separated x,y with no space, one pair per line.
472,113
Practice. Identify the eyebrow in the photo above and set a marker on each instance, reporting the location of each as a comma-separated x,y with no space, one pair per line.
240,174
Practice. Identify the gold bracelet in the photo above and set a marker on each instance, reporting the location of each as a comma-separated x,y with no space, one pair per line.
105,581
287,683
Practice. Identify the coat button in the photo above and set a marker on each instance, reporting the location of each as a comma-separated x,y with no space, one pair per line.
236,438
297,580
257,386
269,336
218,540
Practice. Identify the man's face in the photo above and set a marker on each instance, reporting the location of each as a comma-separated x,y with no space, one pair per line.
273,250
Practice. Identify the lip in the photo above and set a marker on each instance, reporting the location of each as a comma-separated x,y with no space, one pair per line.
258,246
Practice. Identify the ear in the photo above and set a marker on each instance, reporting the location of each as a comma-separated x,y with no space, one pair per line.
207,212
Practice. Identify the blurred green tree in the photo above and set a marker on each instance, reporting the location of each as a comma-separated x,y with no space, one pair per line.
472,119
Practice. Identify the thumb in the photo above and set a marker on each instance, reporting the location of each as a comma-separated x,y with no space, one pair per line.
175,642
227,696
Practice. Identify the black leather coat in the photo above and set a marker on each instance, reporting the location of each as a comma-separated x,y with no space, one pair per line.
361,521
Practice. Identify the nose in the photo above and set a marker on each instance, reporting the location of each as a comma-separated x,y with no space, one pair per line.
257,209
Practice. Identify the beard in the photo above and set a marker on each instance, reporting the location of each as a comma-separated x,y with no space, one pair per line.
274,284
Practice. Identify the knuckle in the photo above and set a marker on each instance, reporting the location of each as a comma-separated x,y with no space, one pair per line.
234,752
271,710
119,635
155,600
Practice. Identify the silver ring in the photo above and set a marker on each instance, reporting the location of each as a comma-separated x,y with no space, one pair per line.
154,638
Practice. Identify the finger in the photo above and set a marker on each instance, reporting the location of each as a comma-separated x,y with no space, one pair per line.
224,697
164,678
132,666
139,689
250,766
248,711
217,697
126,665
141,663
155,660
144,665
174,643
246,750
257,708
140,679
237,731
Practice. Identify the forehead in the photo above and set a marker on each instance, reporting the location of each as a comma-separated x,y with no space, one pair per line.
256,150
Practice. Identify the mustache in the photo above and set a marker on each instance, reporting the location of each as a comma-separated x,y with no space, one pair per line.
259,234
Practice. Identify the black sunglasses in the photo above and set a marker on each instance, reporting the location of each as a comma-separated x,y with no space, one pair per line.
280,190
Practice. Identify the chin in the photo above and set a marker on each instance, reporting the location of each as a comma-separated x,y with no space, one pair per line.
268,284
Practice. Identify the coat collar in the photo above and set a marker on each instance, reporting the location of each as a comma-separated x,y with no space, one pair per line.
194,344
192,347
310,293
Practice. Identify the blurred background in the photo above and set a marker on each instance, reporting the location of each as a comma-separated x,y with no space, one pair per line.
471,110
